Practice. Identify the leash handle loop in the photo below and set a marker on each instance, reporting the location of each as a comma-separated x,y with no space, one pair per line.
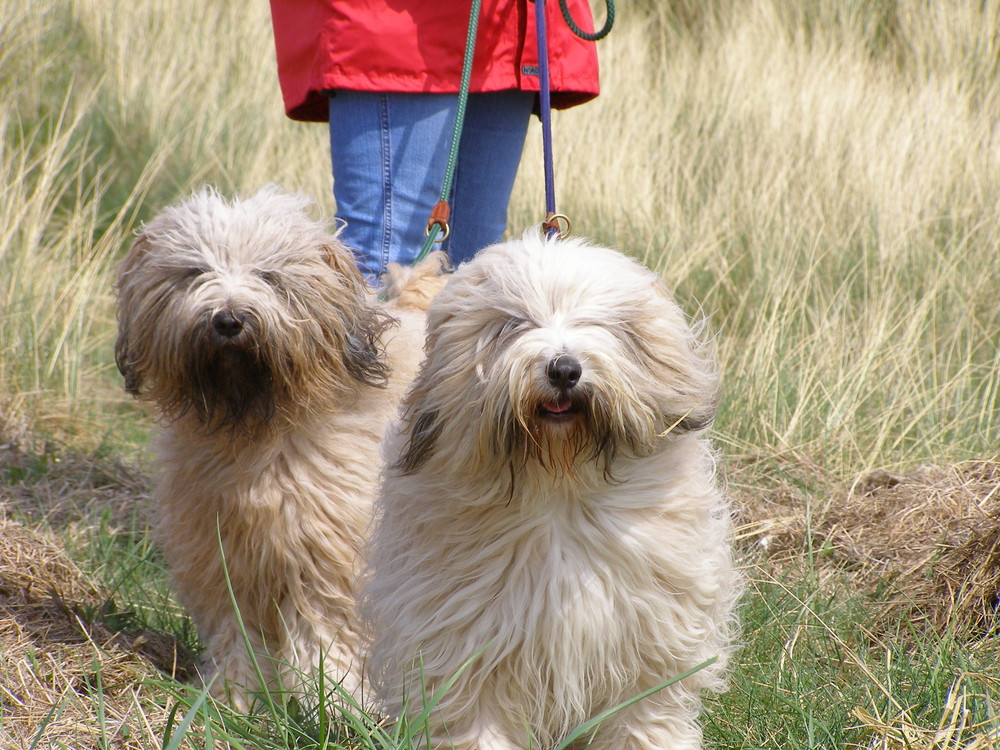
609,21
439,217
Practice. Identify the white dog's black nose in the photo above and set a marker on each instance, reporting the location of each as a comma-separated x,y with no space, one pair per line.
227,324
564,372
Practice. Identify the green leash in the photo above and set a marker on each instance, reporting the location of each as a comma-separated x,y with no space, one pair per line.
438,222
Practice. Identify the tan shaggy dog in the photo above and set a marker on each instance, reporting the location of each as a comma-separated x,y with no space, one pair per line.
550,516
274,373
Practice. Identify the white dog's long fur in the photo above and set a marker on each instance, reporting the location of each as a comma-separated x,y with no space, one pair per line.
273,372
569,533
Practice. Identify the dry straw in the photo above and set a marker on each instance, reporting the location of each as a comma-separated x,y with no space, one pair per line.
956,730
73,668
64,676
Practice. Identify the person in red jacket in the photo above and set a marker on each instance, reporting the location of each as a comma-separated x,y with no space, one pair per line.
385,74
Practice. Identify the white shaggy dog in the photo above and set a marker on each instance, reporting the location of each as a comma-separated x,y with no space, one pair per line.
550,516
273,372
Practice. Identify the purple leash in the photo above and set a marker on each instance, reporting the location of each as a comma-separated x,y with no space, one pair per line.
551,223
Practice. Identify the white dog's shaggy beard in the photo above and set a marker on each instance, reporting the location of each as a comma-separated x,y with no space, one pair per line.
273,372
550,517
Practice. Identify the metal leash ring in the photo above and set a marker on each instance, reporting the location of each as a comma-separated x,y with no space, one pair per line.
552,223
444,226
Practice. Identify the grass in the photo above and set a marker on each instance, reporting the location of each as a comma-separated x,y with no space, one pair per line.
820,178
813,677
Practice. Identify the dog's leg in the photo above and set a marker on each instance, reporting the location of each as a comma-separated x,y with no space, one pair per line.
307,647
477,738
231,674
667,721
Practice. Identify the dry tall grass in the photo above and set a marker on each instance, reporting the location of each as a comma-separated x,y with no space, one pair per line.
107,112
824,177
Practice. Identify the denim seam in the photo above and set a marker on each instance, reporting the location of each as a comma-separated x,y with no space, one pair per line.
386,143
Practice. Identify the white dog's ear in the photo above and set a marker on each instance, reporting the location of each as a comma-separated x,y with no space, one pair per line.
423,431
696,380
126,363
699,418
696,370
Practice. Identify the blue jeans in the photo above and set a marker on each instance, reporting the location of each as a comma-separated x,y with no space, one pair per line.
390,153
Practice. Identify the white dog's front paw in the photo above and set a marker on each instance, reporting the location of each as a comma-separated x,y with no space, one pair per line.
480,739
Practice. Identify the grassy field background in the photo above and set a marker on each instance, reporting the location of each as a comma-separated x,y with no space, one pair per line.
821,179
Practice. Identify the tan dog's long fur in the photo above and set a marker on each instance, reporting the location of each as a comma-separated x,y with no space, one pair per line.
550,505
274,372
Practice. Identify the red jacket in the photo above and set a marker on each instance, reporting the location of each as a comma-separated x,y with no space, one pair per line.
417,46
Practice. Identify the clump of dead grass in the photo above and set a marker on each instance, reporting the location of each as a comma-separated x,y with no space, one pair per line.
74,668
955,730
924,546
65,676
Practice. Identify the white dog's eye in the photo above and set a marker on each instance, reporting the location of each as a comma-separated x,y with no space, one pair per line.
514,325
632,341
494,337
268,277
189,275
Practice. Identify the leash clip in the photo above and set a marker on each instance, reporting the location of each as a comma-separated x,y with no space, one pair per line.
439,217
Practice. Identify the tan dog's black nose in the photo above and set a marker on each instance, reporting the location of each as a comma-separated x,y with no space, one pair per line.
227,324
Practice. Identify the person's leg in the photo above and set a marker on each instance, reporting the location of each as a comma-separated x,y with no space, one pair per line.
389,154
492,141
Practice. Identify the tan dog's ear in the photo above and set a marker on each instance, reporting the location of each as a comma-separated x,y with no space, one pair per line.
126,365
364,355
364,324
341,260
139,249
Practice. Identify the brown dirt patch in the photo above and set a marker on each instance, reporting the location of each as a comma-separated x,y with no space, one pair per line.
56,657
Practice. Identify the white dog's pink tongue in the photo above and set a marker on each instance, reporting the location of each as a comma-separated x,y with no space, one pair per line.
558,407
